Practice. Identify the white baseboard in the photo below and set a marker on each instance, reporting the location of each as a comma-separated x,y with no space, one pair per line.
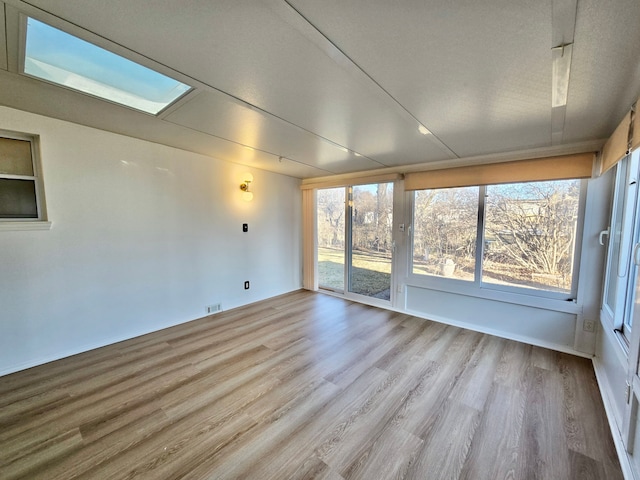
81,349
501,333
468,326
8,369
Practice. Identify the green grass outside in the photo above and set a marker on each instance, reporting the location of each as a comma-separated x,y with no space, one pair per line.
371,274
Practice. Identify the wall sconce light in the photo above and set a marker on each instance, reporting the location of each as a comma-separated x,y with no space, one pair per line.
247,195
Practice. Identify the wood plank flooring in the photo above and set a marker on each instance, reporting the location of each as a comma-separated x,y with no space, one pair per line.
307,386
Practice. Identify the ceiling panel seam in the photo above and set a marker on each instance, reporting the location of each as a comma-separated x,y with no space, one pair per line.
279,155
200,84
433,137
276,155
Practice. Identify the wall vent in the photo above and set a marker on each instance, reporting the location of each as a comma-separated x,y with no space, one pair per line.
211,309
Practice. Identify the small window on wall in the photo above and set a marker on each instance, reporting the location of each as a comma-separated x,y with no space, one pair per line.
20,188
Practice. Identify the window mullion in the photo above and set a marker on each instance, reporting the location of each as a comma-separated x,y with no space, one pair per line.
348,242
482,192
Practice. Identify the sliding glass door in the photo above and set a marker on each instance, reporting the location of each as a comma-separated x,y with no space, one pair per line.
371,252
331,211
355,240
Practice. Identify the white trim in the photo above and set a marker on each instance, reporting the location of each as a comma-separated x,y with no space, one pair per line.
24,225
82,85
623,457
86,348
36,178
470,289
616,342
309,240
467,326
349,180
529,154
500,333
16,22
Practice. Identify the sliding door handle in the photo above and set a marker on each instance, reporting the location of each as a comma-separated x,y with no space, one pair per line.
602,234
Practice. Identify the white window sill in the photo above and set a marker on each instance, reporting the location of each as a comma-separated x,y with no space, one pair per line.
471,289
29,225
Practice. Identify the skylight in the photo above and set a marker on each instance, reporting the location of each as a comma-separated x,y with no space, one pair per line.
60,58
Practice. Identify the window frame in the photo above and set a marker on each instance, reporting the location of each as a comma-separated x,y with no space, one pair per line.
616,210
412,230
348,265
522,295
626,190
345,213
626,322
41,221
17,21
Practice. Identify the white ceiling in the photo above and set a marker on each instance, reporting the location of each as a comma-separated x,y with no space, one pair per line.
311,88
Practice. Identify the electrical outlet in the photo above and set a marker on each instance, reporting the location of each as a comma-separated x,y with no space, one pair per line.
214,308
589,326
246,285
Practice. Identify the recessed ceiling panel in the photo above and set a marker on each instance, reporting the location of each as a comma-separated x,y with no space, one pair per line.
215,114
305,78
248,50
605,69
477,74
49,100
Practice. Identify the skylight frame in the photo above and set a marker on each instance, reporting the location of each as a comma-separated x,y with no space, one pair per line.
115,54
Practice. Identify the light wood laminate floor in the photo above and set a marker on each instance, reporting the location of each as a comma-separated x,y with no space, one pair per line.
307,385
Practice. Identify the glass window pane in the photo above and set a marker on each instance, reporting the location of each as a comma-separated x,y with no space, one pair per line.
18,199
371,240
530,233
626,272
445,223
60,58
15,157
331,243
615,239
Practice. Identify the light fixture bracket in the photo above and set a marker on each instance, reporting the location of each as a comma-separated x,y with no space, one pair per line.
244,186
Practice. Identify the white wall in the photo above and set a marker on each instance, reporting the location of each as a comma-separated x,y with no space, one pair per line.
537,326
143,237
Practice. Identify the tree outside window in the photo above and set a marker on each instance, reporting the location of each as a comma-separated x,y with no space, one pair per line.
529,234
